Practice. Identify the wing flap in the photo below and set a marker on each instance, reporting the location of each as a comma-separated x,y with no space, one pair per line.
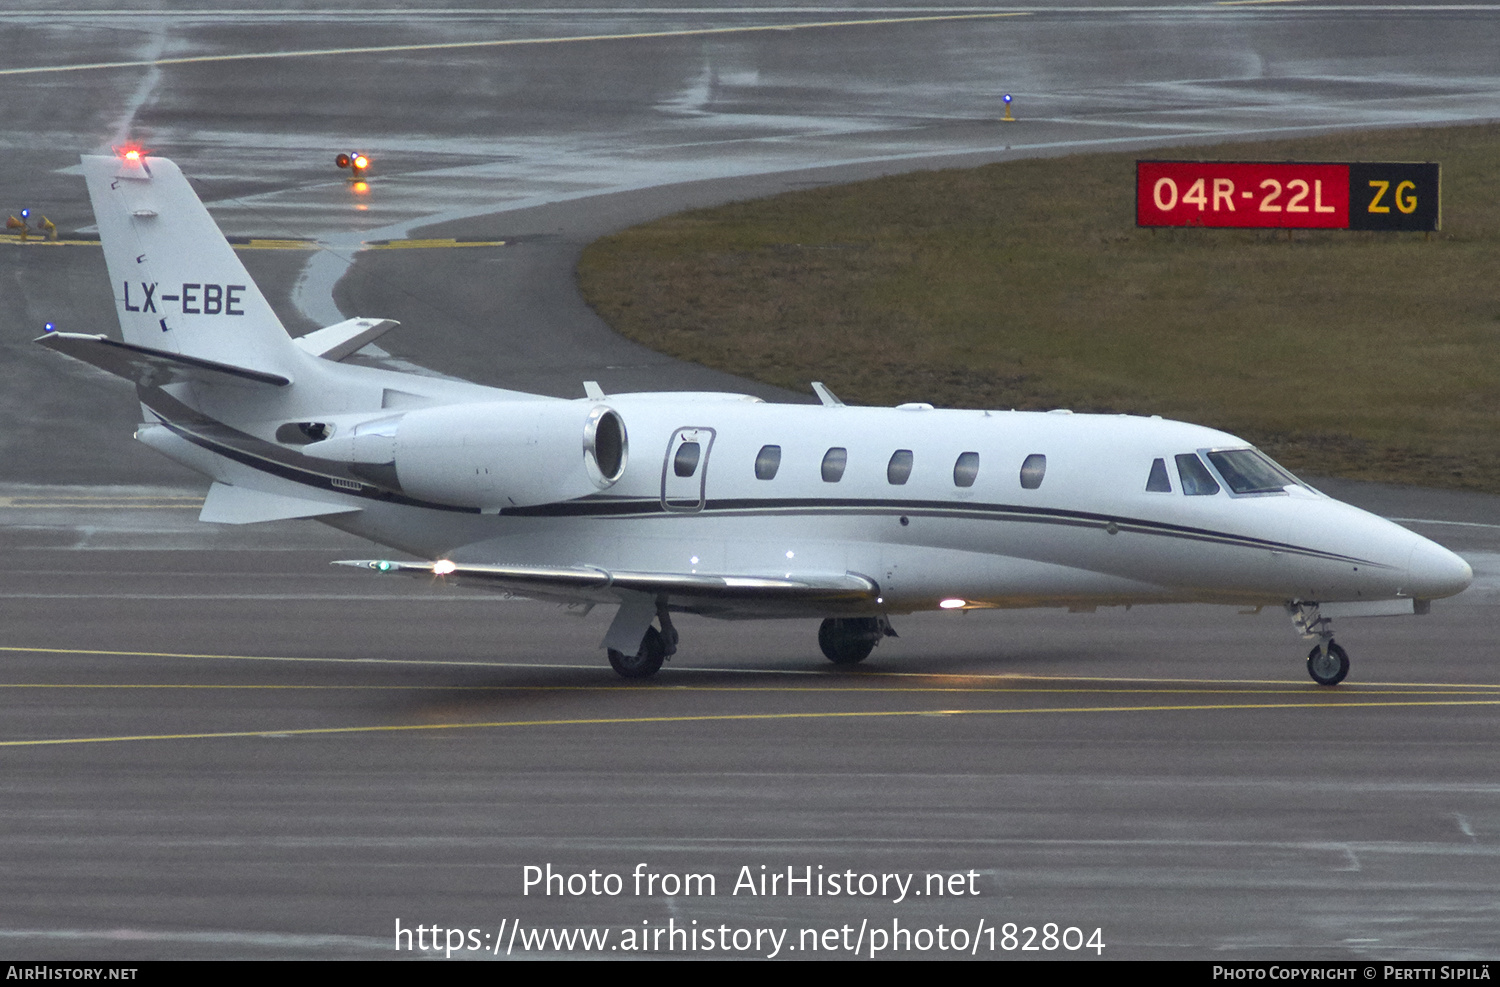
554,579
149,367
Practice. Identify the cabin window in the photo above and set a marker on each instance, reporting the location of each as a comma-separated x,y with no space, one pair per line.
1197,481
1249,472
1033,471
834,461
1158,481
966,470
685,463
767,462
898,470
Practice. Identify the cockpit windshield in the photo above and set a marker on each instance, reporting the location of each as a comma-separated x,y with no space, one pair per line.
1250,471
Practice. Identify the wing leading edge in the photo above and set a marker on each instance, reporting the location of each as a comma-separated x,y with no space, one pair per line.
556,580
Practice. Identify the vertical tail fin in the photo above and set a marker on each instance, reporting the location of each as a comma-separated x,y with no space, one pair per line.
178,285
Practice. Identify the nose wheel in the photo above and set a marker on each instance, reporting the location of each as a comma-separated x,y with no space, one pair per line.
1327,663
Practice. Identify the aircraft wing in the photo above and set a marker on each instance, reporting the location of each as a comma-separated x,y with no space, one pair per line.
152,367
561,580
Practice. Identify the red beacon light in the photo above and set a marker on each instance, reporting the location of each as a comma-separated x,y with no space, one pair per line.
356,163
132,155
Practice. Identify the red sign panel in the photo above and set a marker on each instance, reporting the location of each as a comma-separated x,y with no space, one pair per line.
1220,193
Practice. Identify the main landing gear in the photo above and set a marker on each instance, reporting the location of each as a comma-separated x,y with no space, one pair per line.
1327,663
849,640
656,647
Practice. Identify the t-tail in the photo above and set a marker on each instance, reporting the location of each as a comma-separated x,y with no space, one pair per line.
179,289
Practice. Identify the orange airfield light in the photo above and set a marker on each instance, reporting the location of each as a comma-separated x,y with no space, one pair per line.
355,162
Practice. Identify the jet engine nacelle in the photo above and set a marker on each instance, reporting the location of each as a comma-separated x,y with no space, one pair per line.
515,454
489,456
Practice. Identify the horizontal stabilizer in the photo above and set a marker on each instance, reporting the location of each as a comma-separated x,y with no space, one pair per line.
338,341
154,368
808,586
227,504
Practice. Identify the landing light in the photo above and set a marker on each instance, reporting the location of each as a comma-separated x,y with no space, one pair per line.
952,604
443,567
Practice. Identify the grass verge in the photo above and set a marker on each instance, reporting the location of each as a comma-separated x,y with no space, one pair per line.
1026,284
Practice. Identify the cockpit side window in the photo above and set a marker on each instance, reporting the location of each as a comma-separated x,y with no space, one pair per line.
1197,481
1158,481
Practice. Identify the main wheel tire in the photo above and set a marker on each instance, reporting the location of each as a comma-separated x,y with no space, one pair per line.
1328,666
848,640
644,663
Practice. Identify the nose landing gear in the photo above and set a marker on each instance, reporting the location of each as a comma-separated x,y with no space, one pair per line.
1327,663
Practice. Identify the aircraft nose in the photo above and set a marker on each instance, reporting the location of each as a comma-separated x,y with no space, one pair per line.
1433,572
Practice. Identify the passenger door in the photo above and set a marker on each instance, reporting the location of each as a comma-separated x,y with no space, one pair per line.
684,473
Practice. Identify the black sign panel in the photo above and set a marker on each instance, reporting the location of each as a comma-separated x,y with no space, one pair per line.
1393,197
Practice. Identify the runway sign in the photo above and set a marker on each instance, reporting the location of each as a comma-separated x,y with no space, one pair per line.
1287,195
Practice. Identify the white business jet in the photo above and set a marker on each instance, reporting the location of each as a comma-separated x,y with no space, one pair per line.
714,504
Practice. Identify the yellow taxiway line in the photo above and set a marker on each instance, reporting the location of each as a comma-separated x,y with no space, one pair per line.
432,243
52,503
1350,693
860,674
724,718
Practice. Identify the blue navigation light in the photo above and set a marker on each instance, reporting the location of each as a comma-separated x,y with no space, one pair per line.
1007,97
25,213
49,327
